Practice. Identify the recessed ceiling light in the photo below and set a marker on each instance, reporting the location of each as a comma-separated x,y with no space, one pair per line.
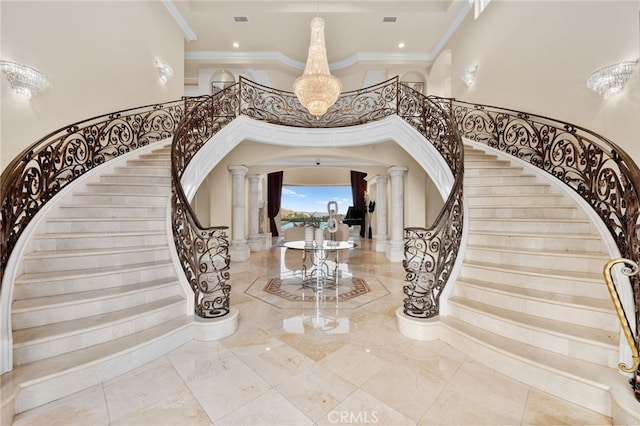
236,44
241,19
390,19
400,45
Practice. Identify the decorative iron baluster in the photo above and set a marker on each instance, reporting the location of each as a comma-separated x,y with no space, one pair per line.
430,254
203,252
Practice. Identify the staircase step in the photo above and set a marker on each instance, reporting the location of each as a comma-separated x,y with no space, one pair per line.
53,378
558,242
111,211
580,382
92,198
64,260
147,162
562,309
485,179
525,212
96,240
36,343
160,179
519,200
35,312
63,282
128,188
540,226
142,170
530,258
489,170
587,344
479,162
506,188
577,283
78,225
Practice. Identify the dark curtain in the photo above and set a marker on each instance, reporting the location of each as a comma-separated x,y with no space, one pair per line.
274,183
358,188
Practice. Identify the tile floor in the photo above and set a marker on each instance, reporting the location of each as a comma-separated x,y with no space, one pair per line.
358,370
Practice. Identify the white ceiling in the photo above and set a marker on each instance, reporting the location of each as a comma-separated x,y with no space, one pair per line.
274,41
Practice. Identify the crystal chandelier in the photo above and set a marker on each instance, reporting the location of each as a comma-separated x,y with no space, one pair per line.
316,88
25,81
610,80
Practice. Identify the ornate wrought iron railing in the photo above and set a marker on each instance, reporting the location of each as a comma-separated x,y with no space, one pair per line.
203,251
436,247
602,173
430,253
42,170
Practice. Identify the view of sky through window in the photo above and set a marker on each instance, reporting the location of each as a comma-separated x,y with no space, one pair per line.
314,199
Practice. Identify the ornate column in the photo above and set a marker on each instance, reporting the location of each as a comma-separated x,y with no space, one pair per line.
395,248
238,248
381,213
255,240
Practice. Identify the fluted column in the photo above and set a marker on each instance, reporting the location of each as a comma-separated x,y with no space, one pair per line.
238,249
255,242
395,250
381,213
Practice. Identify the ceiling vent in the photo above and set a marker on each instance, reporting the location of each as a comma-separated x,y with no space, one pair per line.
390,19
241,19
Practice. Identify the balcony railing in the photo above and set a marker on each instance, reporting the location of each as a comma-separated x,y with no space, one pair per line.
432,251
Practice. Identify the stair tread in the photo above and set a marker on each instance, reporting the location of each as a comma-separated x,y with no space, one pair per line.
96,272
93,251
581,302
60,364
105,219
563,365
537,235
547,252
21,305
547,272
526,220
56,330
98,234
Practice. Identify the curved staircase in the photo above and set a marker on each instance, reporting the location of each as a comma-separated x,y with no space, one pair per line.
98,294
530,300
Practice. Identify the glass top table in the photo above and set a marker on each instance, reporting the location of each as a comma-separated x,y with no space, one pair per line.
321,274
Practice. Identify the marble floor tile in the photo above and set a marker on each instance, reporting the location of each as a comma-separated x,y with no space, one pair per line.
80,409
299,364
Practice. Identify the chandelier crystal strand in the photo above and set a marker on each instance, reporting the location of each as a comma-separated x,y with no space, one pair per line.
25,80
610,80
316,88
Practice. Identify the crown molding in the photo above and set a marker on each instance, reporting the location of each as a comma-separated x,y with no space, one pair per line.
189,34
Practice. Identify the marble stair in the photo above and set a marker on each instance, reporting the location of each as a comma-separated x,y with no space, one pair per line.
98,294
530,300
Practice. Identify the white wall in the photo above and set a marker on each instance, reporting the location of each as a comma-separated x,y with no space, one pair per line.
98,56
535,56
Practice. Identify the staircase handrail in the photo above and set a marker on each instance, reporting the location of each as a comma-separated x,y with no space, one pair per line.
203,251
431,253
597,169
48,165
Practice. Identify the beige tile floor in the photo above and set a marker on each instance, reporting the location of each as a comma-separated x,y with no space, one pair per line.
363,372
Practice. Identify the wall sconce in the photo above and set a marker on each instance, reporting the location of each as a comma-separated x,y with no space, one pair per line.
469,75
609,80
165,72
25,81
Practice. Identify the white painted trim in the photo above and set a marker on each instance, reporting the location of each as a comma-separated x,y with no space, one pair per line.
189,34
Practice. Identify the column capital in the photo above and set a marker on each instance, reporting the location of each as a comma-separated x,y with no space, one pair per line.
254,178
238,170
397,170
380,178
